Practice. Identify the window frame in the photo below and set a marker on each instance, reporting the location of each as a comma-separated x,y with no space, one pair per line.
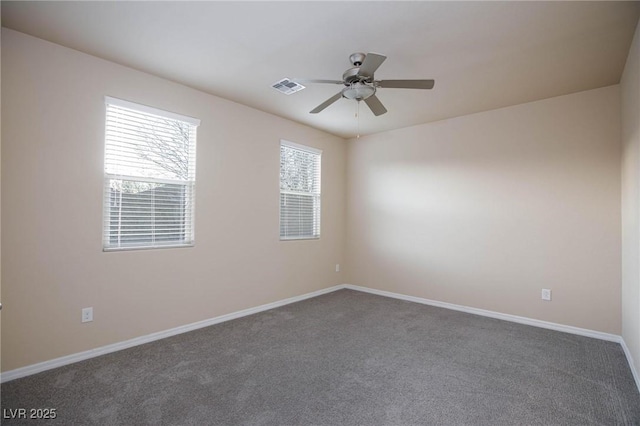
311,150
188,184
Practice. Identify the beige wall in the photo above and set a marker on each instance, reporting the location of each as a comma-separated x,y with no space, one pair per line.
52,178
630,95
486,210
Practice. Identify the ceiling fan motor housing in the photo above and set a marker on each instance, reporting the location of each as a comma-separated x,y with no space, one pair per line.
352,75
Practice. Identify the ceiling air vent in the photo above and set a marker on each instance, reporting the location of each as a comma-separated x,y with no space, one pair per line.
287,86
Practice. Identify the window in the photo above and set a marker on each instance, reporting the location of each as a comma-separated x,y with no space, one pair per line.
299,191
149,177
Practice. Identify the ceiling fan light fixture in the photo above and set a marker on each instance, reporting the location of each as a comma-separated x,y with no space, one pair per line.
358,91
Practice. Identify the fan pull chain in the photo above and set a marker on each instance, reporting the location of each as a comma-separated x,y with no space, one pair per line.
358,118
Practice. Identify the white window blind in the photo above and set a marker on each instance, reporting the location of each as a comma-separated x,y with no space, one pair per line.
299,191
150,175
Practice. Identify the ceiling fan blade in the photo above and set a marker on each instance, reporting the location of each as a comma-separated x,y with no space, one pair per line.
371,63
308,80
406,84
326,103
375,105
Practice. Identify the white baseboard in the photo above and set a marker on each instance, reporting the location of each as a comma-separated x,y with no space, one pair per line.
492,314
632,365
81,356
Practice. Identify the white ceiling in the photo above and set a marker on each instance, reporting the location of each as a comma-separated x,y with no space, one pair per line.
483,55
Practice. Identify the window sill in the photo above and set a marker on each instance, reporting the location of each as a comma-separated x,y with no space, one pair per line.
160,247
298,238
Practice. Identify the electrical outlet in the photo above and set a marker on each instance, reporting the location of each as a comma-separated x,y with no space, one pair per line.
337,267
546,294
87,314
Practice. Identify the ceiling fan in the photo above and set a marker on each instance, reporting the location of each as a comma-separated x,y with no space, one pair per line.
360,84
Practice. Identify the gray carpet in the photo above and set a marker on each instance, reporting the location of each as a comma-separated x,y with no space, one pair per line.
345,358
